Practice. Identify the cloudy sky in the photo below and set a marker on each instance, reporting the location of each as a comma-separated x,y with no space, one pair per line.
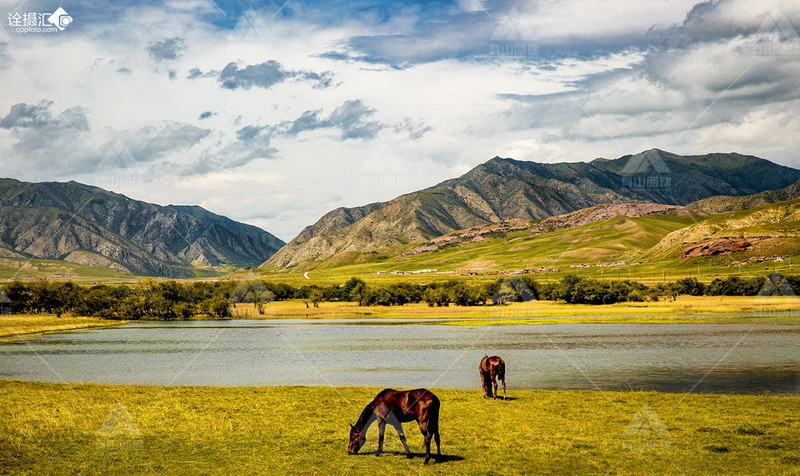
275,113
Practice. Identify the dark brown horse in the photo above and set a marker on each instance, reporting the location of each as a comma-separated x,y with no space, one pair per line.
491,369
396,407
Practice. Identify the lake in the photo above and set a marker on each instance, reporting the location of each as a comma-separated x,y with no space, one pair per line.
704,358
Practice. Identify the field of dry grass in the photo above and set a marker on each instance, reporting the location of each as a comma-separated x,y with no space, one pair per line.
113,429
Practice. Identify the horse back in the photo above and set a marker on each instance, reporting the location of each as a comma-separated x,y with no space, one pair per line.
493,365
407,405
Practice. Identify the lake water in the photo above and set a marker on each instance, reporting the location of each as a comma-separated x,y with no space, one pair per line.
705,358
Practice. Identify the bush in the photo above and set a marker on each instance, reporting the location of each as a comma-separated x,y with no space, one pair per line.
690,286
734,286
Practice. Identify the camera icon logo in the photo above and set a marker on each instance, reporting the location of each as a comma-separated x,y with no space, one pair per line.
60,19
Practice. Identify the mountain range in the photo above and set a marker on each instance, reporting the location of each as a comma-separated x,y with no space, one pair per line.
90,226
505,189
663,198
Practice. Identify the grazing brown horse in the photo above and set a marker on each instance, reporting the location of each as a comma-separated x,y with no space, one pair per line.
491,369
396,407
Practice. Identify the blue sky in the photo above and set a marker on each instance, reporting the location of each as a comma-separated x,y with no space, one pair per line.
274,113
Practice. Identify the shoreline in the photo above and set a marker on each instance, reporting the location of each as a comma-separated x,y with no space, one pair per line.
28,325
476,389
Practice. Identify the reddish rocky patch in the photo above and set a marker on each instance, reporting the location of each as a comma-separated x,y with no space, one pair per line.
720,246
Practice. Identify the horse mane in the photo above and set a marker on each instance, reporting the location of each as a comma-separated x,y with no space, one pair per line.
363,422
367,416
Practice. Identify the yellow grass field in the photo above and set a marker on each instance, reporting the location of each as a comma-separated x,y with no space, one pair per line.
21,324
684,309
113,429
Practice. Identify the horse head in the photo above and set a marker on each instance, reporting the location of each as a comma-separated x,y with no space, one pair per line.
357,440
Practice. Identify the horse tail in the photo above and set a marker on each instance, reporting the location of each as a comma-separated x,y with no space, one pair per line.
433,415
501,370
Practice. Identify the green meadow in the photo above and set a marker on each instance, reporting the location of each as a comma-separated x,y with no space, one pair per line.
113,429
639,242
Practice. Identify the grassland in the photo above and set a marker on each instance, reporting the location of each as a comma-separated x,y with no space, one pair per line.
612,240
22,324
22,268
55,429
685,309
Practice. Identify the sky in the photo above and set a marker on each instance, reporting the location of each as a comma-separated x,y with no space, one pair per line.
274,113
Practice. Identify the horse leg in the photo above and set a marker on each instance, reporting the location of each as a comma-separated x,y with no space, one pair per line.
423,427
381,432
427,447
399,427
494,384
504,390
438,443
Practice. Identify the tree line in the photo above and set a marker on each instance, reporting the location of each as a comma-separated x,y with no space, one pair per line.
154,299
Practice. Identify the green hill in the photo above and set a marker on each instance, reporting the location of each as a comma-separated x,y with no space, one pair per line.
612,241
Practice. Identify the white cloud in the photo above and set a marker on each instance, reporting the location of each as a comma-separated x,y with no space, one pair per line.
603,100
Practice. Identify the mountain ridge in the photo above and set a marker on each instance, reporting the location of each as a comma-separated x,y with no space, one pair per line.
503,189
78,222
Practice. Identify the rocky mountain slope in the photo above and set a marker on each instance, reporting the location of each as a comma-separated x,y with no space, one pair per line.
724,204
505,189
91,226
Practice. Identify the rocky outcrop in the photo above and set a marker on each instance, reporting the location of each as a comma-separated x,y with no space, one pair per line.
720,246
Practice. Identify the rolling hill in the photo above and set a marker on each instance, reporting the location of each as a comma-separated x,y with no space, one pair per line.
93,227
506,189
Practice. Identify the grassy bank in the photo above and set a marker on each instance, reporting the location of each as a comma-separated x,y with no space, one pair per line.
684,309
21,324
51,428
